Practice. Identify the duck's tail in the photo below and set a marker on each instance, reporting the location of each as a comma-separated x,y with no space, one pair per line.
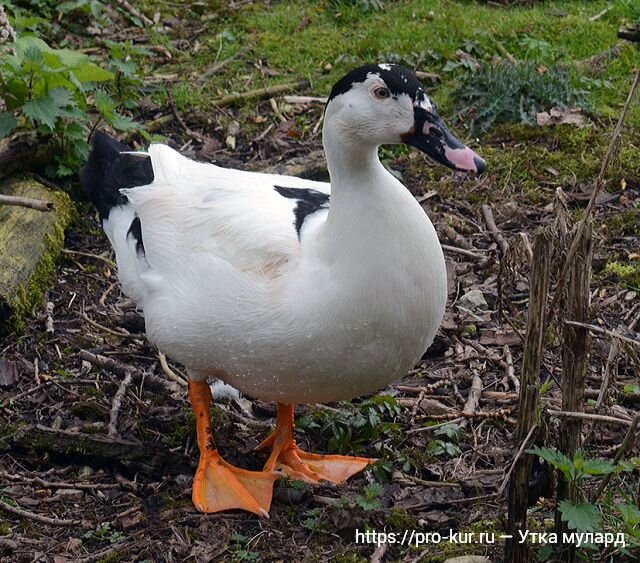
111,167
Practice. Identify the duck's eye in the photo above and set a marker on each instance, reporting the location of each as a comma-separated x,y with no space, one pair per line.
381,93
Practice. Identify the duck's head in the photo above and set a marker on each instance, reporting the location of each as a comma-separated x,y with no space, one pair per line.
386,104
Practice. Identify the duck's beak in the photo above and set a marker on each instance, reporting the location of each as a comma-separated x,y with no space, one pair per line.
430,135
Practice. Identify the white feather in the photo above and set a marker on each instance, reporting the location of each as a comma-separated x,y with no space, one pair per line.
228,289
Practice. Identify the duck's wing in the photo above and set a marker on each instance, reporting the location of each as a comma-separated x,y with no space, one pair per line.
251,220
163,212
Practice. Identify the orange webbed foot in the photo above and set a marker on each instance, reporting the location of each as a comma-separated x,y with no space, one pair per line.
218,486
298,464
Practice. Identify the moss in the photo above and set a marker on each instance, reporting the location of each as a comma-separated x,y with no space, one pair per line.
626,273
5,529
399,519
27,296
113,557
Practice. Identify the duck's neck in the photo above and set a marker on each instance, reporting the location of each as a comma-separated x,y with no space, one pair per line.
352,167
369,208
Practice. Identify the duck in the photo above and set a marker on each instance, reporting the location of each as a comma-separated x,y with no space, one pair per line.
288,289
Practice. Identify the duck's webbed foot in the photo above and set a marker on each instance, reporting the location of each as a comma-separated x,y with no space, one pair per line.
297,464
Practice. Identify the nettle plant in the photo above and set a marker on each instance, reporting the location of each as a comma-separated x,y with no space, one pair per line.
62,95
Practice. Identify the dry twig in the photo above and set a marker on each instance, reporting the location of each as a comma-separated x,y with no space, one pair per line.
37,517
36,204
112,428
493,229
259,93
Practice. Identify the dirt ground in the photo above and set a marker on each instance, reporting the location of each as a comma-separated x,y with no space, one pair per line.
126,497
97,442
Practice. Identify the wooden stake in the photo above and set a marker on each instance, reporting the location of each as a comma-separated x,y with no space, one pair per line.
515,551
575,354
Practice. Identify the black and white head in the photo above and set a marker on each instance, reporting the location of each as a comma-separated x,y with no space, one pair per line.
386,104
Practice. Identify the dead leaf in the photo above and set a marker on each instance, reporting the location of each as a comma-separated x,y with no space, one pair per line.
561,116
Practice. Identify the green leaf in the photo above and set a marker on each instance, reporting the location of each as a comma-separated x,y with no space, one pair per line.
7,124
62,97
631,389
630,514
42,110
90,72
555,458
598,467
72,5
582,517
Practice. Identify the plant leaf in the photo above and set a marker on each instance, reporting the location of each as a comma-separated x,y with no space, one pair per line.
7,124
598,467
42,110
582,517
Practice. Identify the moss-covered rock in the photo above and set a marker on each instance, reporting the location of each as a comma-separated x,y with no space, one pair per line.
30,243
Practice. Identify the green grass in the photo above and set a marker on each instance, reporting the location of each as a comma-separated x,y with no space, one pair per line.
299,38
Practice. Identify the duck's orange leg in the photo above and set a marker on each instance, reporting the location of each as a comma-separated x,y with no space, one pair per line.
297,464
218,485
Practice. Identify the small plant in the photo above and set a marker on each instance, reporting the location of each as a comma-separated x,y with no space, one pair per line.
370,499
447,444
56,94
583,516
105,533
354,425
240,547
537,50
505,92
626,273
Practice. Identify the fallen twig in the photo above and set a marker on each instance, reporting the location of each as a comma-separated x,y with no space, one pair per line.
493,229
304,100
59,485
134,12
109,330
220,65
107,261
590,416
24,394
121,370
112,427
172,375
608,332
463,251
259,93
36,517
473,399
510,371
197,136
36,204
523,447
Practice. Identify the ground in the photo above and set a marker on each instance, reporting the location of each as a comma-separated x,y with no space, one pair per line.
110,464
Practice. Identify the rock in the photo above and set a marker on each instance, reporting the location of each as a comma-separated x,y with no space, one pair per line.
473,299
30,243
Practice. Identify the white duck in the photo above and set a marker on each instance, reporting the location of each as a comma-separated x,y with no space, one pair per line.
290,290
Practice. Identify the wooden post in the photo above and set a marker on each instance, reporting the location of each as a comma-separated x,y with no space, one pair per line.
515,551
575,355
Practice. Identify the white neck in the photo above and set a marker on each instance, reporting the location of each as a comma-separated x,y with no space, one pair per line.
371,212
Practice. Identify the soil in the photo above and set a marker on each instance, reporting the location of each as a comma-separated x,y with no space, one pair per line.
126,496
